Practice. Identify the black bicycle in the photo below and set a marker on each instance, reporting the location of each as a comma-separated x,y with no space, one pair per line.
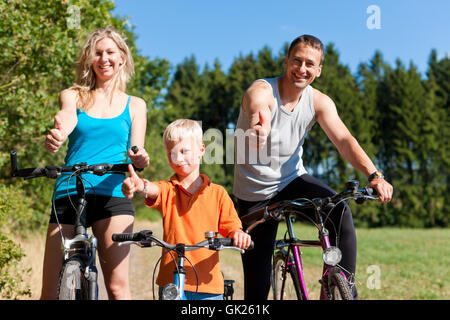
287,268
78,276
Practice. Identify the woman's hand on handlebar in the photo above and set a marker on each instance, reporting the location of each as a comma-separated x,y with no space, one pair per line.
140,158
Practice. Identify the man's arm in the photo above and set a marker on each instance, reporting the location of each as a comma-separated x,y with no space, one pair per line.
257,104
347,145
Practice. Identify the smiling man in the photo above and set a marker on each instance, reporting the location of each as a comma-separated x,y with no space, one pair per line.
277,114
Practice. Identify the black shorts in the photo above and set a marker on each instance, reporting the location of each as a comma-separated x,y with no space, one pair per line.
98,207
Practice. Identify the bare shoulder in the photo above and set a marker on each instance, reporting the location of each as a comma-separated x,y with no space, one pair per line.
258,93
138,105
68,98
138,102
259,87
322,102
68,94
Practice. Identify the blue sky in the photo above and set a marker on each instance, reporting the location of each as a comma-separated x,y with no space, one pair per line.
213,29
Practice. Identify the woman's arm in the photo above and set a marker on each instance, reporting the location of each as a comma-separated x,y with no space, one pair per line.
65,121
138,110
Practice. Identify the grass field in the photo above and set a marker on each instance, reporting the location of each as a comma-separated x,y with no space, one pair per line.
409,263
393,263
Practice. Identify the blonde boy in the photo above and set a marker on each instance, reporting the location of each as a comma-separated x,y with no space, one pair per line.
190,205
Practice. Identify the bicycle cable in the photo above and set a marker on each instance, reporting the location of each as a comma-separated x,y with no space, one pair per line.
169,251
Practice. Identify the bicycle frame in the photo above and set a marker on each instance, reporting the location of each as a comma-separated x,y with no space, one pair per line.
81,245
332,272
293,245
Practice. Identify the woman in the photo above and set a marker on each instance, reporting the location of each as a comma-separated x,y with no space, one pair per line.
102,122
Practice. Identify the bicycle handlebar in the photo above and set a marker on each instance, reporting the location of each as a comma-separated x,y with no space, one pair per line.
145,238
273,211
54,171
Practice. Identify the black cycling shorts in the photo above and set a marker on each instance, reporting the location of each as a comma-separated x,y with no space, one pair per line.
98,207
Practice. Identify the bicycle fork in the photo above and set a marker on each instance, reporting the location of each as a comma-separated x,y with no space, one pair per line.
86,248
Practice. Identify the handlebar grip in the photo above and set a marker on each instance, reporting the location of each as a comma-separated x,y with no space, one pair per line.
133,236
371,192
123,167
135,149
13,157
228,242
255,215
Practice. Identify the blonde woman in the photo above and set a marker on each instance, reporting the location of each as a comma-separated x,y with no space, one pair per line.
101,122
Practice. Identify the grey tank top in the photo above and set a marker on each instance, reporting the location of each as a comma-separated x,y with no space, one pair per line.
261,174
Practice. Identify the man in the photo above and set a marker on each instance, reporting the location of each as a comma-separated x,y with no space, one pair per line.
278,113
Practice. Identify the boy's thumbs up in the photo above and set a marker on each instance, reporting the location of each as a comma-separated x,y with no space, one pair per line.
133,173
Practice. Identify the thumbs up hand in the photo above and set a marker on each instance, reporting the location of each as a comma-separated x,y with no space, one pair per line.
261,130
56,137
132,184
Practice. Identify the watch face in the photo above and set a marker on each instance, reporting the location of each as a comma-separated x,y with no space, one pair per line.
379,173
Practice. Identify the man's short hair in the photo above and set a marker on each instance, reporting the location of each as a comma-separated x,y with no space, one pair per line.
310,41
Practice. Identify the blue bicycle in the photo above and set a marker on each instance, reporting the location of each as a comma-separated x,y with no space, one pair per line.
175,290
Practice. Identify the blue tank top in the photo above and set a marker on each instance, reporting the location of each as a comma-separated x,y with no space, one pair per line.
96,141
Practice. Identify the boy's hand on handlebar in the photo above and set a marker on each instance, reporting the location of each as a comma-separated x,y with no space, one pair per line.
56,137
140,158
132,183
383,188
241,239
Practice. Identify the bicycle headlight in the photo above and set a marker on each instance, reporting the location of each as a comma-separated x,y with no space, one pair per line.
170,292
332,256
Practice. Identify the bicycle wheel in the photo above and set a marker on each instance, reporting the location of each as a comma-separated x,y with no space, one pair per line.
73,285
338,286
291,285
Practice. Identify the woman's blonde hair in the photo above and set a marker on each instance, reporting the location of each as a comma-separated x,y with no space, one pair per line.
183,128
85,75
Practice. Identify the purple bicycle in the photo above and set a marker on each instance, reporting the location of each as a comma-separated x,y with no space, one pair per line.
287,269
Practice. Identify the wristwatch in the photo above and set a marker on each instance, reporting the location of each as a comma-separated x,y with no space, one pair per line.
377,174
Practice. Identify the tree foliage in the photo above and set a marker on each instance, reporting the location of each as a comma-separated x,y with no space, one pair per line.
399,117
40,42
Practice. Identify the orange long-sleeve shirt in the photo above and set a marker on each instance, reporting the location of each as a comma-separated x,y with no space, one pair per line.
186,218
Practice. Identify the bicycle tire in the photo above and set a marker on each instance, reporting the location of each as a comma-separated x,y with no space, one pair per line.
292,289
338,286
73,285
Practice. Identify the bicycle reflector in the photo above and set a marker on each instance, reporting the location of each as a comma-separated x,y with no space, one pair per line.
332,256
170,292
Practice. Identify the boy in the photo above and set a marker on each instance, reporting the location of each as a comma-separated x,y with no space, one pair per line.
190,205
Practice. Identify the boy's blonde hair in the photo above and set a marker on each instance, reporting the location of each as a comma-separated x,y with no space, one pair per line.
183,128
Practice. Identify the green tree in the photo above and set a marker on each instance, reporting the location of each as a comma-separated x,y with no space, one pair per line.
40,42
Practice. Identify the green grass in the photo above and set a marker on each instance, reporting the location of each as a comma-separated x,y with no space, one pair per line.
409,263
413,264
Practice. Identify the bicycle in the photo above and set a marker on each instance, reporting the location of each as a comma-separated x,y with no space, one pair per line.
78,275
287,255
175,290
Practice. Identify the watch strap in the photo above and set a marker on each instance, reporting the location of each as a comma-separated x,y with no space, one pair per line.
377,174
